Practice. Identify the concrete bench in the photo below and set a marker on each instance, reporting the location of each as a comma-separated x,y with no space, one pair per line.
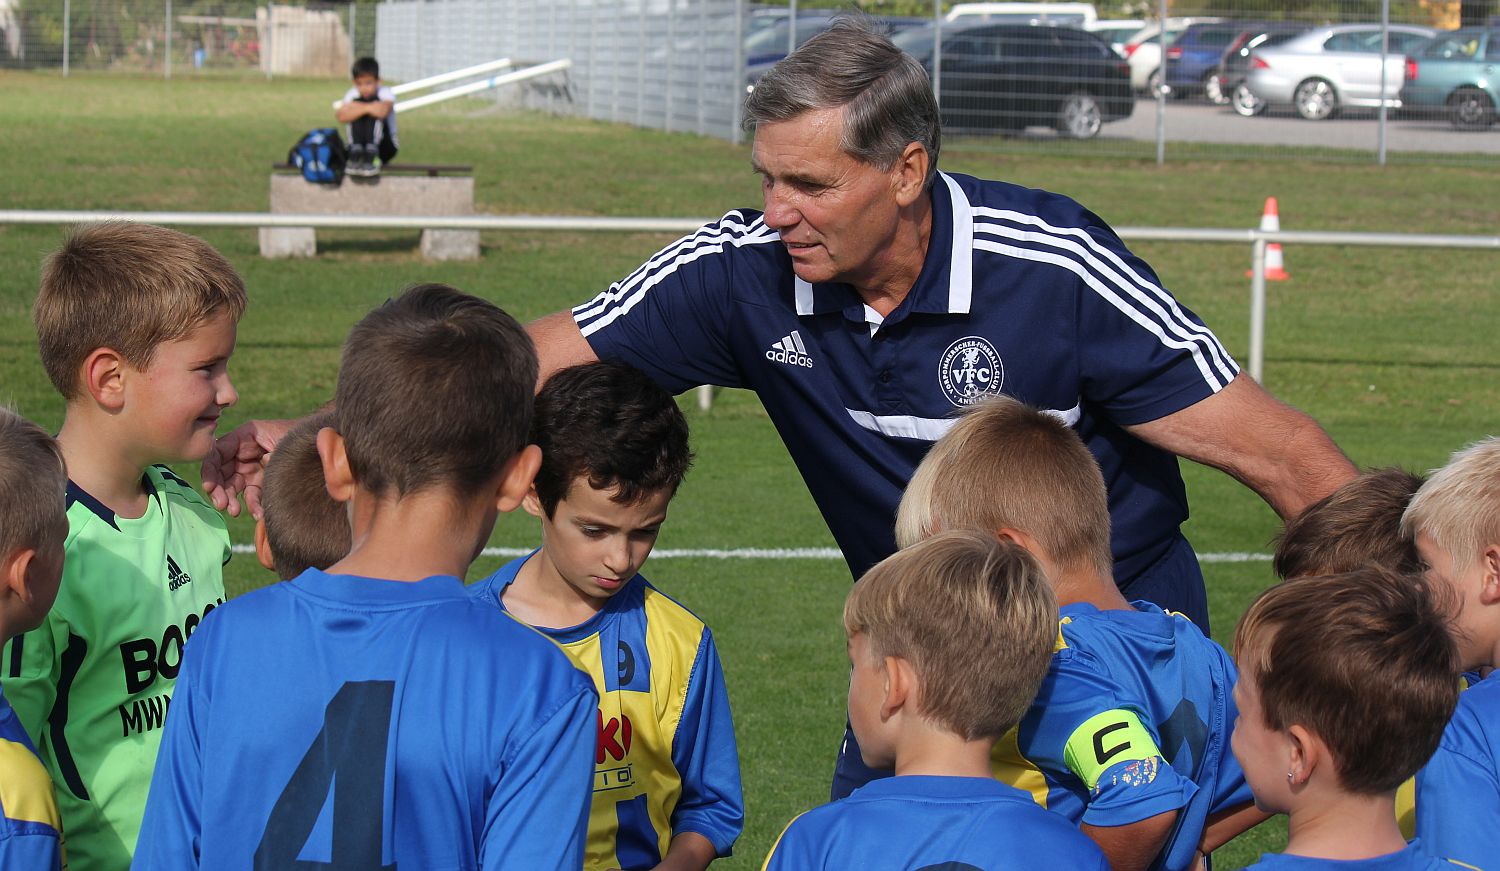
401,189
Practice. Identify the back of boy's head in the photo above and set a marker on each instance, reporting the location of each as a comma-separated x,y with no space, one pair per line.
1006,464
1459,506
975,617
1355,525
33,487
1363,660
305,527
365,66
434,390
130,288
612,426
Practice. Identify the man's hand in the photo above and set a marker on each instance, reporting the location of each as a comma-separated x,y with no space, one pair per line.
1270,447
237,464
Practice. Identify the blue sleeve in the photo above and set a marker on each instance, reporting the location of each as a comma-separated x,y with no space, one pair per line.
172,827
538,814
1124,778
1142,354
37,849
706,757
671,317
1458,797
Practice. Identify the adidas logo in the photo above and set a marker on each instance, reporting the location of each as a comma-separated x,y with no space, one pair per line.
176,577
790,350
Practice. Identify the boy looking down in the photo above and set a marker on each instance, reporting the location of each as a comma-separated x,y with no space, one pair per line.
300,526
667,777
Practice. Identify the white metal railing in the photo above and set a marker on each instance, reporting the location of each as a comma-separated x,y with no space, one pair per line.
1257,239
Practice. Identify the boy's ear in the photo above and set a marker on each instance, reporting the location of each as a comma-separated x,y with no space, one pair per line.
263,545
1489,575
1305,752
103,377
17,573
900,685
337,477
516,478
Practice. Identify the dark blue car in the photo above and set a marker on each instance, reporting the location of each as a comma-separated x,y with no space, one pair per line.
1193,58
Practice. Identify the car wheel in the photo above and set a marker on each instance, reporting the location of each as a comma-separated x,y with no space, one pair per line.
1154,83
1245,102
1471,109
1213,89
1079,116
1315,100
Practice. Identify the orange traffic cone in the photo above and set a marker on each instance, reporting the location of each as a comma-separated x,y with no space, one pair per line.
1270,222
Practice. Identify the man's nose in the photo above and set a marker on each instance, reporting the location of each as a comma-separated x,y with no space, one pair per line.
779,210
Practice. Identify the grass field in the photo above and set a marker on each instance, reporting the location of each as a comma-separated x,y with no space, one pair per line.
1393,351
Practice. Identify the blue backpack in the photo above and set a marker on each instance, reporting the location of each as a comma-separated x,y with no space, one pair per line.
320,155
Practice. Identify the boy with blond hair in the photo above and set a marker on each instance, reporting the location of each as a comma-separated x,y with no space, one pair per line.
135,326
1345,684
1455,521
1129,733
301,527
1356,525
33,524
948,641
374,716
667,775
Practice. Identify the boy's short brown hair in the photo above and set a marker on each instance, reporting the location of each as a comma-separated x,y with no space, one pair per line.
1357,524
305,527
975,617
1459,506
434,390
1006,464
33,486
128,287
1362,659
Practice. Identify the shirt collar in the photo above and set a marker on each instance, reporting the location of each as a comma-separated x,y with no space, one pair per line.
949,265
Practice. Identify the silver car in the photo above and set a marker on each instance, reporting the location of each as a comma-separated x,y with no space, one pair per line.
1329,68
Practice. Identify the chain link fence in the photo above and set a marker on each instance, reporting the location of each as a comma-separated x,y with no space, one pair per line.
1327,80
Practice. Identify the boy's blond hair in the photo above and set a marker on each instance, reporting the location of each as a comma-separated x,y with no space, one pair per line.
1355,525
975,617
1459,506
1006,464
130,288
33,486
1363,660
305,527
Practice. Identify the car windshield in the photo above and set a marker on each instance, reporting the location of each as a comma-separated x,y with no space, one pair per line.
1457,46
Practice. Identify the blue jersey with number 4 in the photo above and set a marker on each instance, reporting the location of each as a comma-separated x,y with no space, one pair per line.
369,724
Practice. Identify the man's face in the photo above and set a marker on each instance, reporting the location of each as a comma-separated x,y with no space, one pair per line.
836,215
367,85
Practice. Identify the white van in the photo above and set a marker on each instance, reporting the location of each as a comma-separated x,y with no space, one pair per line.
1081,15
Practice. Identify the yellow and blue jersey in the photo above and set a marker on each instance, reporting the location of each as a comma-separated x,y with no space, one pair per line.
1413,858
1132,720
666,761
30,824
335,721
1458,790
916,821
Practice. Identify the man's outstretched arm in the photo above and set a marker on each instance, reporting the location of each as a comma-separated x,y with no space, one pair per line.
1265,444
559,344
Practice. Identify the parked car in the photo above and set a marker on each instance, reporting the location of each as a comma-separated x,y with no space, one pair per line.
1234,65
1455,73
1193,56
1005,77
1143,51
1330,68
769,43
1116,31
1025,12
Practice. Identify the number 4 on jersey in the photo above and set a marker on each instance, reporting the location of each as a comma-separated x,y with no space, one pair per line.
348,756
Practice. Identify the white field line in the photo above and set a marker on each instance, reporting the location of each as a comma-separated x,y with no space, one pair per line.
780,553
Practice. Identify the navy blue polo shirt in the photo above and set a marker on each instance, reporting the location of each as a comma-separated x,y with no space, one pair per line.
1022,292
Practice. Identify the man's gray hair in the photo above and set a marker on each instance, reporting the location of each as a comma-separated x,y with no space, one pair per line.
885,92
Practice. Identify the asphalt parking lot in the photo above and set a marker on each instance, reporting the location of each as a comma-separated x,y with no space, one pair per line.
1192,120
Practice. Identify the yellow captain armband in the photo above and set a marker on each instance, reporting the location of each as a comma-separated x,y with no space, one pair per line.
1107,739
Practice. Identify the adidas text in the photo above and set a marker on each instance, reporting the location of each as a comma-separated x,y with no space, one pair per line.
779,356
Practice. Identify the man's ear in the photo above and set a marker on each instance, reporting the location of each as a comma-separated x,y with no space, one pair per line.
910,173
337,477
263,545
900,685
1489,578
104,378
517,477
